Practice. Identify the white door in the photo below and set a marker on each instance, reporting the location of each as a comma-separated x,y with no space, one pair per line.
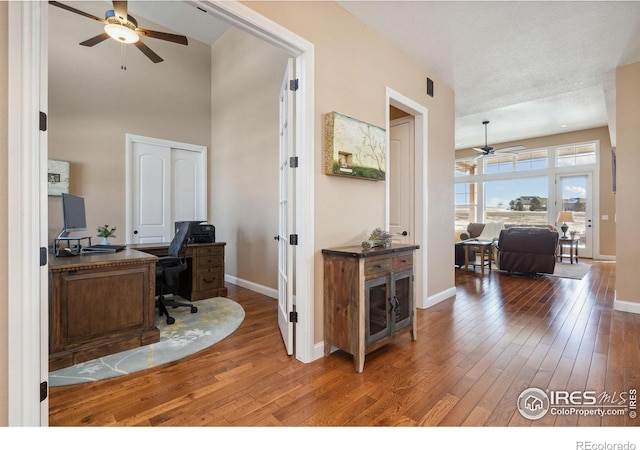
166,183
401,176
285,208
574,193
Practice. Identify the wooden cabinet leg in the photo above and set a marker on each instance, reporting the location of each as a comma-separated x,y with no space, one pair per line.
358,363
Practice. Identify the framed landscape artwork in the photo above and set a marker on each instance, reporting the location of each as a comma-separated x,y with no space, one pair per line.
354,148
58,177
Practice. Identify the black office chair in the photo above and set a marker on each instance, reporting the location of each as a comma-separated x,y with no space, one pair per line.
167,270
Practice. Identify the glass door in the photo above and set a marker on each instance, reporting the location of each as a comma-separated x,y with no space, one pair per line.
574,194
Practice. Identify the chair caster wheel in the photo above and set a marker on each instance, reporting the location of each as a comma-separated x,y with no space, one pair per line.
170,320
194,310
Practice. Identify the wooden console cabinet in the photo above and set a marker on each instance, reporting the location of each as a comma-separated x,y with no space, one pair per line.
100,304
368,298
204,277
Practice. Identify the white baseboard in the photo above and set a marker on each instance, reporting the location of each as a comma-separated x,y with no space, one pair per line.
439,297
264,290
624,306
605,258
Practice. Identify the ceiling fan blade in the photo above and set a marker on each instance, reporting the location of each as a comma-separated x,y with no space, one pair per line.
153,56
176,38
513,148
120,8
77,11
95,40
479,149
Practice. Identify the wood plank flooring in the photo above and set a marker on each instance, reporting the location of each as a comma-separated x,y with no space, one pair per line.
474,355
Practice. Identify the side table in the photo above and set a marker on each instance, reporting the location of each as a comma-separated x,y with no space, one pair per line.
485,251
572,243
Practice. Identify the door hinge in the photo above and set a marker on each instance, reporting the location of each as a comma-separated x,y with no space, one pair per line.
293,85
43,121
293,239
44,390
43,256
293,162
293,316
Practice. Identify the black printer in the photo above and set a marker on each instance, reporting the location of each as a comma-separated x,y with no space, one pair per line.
199,232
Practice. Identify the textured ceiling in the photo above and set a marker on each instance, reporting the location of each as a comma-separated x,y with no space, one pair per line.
527,67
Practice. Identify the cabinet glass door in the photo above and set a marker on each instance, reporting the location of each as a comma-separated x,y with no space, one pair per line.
377,304
402,299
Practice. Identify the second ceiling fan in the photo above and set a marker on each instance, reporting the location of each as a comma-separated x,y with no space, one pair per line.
122,27
487,150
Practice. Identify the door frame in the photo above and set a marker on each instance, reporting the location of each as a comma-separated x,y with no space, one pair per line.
420,197
27,156
592,198
252,22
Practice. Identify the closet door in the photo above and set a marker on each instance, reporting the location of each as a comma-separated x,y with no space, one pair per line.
166,182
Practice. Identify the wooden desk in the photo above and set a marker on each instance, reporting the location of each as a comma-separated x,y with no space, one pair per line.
204,277
100,304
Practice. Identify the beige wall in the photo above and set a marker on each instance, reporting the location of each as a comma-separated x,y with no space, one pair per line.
4,376
353,67
246,77
94,104
628,181
606,228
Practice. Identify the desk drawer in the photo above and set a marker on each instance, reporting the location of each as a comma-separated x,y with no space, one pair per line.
213,251
209,279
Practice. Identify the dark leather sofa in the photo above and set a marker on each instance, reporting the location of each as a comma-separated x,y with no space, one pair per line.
527,250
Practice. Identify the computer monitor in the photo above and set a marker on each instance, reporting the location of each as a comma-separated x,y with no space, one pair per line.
73,214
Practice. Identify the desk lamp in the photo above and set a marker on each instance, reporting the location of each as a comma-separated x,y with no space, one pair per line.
564,217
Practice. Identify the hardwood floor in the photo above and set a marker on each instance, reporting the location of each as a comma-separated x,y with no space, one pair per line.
474,355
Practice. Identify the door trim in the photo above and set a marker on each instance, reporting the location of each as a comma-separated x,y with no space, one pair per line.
27,286
420,199
250,21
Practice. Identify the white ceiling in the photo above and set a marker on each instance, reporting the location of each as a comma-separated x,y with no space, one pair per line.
527,67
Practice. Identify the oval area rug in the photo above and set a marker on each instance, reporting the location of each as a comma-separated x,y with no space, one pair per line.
216,319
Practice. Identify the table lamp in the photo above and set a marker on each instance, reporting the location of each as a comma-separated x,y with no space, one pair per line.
564,217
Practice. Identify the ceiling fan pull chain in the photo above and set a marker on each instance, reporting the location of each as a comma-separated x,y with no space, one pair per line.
123,52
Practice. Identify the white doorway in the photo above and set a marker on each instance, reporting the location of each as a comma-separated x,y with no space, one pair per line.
27,158
401,179
574,193
418,173
166,182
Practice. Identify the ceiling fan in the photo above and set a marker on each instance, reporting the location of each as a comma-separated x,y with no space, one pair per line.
487,150
123,28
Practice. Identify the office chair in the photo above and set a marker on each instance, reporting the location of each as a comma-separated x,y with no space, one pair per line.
167,270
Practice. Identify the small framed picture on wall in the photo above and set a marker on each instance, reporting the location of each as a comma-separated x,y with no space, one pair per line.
58,177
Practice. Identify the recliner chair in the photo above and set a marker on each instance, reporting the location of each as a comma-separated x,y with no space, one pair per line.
167,270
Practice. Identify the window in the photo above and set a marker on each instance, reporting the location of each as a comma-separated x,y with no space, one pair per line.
498,164
521,201
466,205
466,167
578,155
531,160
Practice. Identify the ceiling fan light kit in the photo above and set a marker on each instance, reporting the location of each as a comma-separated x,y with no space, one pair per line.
121,32
123,28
